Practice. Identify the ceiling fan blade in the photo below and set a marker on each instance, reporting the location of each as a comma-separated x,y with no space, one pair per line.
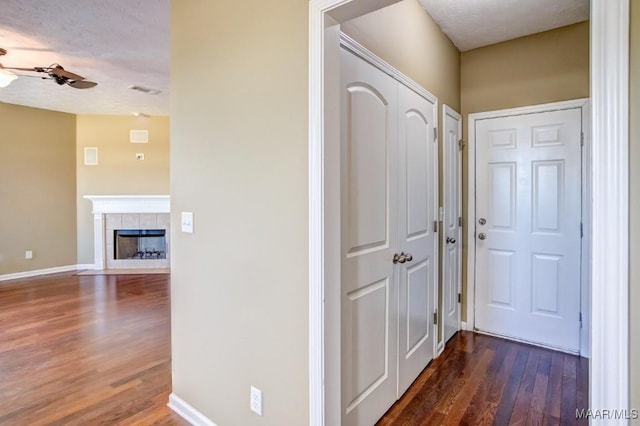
82,84
61,72
21,69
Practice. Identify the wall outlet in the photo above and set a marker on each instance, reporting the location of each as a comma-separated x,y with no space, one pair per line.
255,401
28,254
140,156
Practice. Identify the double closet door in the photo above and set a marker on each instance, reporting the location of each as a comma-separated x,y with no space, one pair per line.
389,252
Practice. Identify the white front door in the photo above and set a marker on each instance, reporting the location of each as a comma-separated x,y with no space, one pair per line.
418,170
451,256
369,198
528,227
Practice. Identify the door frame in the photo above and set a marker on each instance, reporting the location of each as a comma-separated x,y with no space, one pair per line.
609,365
447,110
585,287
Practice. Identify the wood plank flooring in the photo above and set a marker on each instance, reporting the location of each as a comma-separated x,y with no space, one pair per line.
483,380
95,350
85,350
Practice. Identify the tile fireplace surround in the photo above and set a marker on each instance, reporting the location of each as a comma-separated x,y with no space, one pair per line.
111,212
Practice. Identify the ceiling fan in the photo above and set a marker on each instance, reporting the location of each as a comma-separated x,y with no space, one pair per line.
53,72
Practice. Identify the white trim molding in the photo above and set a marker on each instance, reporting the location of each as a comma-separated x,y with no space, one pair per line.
187,412
130,203
364,53
609,365
38,272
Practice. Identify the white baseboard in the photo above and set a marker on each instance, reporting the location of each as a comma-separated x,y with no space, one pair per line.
440,349
187,412
37,272
87,266
463,325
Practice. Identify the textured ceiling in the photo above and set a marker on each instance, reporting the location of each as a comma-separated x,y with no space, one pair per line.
476,23
116,43
119,43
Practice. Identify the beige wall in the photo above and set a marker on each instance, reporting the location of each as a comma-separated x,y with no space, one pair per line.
37,189
239,285
406,37
546,67
634,211
118,171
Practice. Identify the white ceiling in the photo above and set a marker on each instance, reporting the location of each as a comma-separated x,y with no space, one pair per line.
116,43
476,23
119,43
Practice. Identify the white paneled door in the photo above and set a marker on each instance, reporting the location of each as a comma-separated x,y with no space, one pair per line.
388,192
452,226
369,180
528,227
417,239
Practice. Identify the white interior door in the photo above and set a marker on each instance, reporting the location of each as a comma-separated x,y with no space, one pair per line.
418,170
369,198
452,228
528,227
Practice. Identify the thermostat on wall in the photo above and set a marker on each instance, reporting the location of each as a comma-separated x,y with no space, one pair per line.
140,156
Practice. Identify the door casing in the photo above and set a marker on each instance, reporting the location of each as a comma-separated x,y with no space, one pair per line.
585,281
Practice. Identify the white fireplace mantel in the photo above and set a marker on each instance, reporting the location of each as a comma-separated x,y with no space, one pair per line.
130,203
104,204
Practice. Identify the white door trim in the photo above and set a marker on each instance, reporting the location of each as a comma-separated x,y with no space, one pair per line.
364,53
471,176
609,365
609,381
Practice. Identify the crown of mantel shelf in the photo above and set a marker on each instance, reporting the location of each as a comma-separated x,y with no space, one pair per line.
103,204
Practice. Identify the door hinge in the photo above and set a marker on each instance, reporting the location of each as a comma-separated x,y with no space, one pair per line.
580,319
435,226
435,318
461,144
460,221
581,230
435,134
459,297
581,138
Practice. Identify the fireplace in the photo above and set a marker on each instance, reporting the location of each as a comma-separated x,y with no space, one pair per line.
131,231
139,244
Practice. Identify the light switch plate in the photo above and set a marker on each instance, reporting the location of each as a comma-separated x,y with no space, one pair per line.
186,222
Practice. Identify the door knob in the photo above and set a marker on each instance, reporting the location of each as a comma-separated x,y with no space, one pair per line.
399,258
482,236
402,257
482,221
451,240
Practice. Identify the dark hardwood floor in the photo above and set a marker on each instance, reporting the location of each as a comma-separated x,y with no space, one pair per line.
90,350
95,350
483,380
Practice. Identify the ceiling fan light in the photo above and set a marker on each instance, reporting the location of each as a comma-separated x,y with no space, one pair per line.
6,77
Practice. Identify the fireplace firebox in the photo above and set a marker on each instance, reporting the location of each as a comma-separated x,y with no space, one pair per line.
139,244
